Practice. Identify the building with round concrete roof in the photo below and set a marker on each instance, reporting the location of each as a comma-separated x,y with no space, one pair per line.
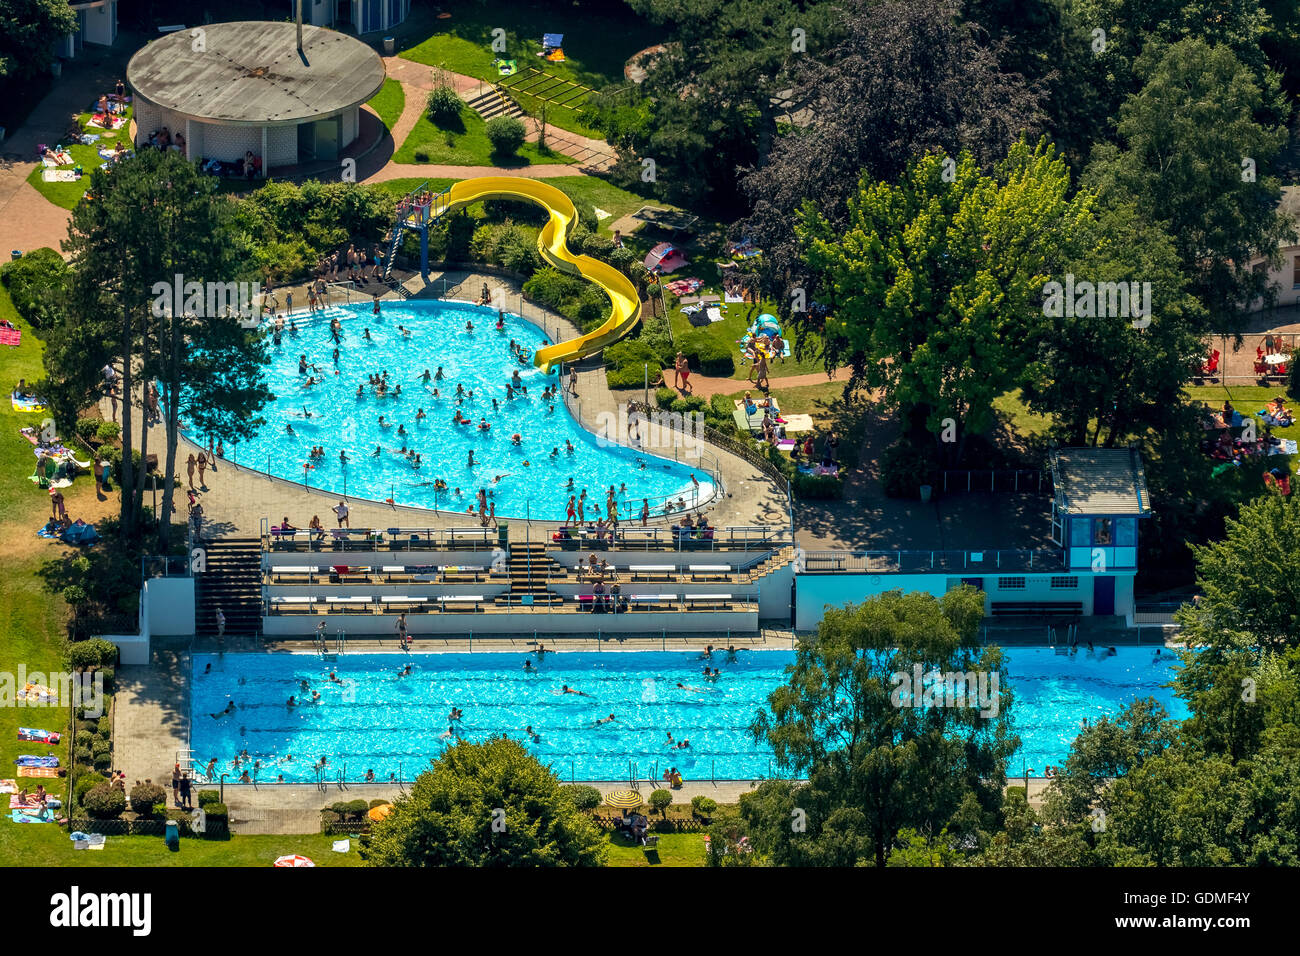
231,88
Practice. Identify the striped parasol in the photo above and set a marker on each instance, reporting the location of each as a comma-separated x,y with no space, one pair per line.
296,860
624,799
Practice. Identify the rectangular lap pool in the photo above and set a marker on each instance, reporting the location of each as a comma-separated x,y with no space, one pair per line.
376,720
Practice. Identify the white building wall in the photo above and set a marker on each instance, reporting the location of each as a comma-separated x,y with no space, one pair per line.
170,606
282,146
101,23
1283,279
351,126
229,143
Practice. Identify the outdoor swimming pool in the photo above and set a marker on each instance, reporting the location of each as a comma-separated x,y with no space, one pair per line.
534,482
376,720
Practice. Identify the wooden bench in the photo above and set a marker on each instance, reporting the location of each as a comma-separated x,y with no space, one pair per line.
710,571
722,600
460,537
1035,608
461,602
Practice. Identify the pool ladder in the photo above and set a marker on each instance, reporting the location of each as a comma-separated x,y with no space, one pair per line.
323,646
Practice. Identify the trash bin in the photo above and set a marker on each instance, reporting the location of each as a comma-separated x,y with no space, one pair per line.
15,253
503,533
172,836
926,492
56,68
389,46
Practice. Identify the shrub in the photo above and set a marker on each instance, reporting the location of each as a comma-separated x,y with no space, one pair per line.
905,467
84,738
661,800
103,762
817,487
35,282
104,802
144,796
358,808
377,803
85,783
88,725
443,106
105,727
216,813
506,134
687,404
592,308
89,654
703,805
707,355
665,396
206,797
108,431
584,797
82,754
109,675
421,155
553,288
87,426
100,746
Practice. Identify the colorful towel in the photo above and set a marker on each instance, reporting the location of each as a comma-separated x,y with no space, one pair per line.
31,760
88,139
43,736
60,158
19,816
59,175
38,772
102,121
39,693
684,286
24,404
16,803
10,336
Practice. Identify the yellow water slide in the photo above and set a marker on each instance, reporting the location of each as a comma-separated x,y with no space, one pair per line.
625,306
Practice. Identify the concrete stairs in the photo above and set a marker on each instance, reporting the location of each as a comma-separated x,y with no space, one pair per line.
232,582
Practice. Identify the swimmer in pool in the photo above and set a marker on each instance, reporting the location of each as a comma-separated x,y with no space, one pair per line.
565,688
604,720
533,735
425,377
528,666
377,452
230,709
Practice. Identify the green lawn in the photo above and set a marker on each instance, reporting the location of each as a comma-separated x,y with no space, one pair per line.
603,195
38,844
737,317
819,401
467,147
67,195
388,102
596,46
674,849
400,187
31,621
1019,418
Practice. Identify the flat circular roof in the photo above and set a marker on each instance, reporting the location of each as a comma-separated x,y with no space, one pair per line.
250,72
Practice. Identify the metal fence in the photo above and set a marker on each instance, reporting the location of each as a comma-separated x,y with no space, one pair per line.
903,562
1020,479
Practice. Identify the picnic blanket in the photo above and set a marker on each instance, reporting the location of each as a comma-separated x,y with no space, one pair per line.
11,336
26,403
32,760
59,175
17,803
39,772
46,815
37,692
684,286
39,736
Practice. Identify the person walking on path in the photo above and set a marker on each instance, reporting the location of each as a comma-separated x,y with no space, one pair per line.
176,784
682,373
203,466
189,469
185,791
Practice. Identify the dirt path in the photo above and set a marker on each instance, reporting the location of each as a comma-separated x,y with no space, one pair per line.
706,387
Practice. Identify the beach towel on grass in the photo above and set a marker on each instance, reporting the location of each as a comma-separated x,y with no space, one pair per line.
16,803
59,175
18,816
30,760
37,772
100,121
10,336
44,736
8,786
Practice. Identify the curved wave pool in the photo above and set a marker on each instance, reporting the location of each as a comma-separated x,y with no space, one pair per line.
379,721
531,478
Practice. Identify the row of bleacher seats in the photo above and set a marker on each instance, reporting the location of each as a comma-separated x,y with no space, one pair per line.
427,574
478,539
479,603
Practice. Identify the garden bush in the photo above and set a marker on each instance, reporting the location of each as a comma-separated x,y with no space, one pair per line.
145,796
661,800
584,797
87,426
82,754
100,746
84,738
592,308
703,805
102,762
206,797
378,803
707,355
105,727
817,487
89,654
104,802
421,155
216,813
443,106
108,431
665,396
905,467
506,134
35,283
86,783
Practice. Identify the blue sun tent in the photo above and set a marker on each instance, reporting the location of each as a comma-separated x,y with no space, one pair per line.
552,41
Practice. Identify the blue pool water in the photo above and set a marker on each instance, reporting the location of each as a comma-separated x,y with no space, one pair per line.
534,482
378,721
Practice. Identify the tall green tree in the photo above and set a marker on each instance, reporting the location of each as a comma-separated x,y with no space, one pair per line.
27,31
905,78
933,286
486,805
1197,162
878,755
